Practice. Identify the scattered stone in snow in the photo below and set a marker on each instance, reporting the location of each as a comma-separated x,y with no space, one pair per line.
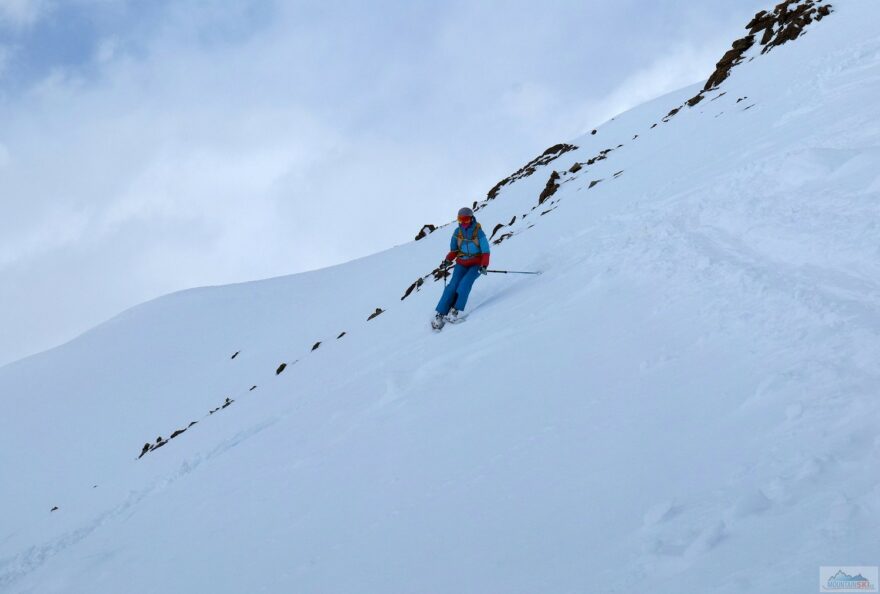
235,355
503,237
575,168
695,99
552,153
54,509
426,230
316,345
343,333
281,368
378,311
594,183
413,287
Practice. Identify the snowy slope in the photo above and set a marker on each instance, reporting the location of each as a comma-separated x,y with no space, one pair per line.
685,401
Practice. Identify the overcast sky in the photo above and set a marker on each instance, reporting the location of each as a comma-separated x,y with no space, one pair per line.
151,146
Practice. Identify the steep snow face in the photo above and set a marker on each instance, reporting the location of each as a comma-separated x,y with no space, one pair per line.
684,400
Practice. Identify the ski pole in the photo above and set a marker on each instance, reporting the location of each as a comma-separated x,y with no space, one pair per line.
511,272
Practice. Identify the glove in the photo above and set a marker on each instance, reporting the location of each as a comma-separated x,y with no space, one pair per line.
483,270
445,264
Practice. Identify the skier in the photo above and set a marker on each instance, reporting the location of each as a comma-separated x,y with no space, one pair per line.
470,249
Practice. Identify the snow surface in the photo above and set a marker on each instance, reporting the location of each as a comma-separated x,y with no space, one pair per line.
685,401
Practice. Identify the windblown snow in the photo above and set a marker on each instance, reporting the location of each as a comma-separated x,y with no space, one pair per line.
686,400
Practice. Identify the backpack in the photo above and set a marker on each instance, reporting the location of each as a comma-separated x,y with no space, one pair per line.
475,239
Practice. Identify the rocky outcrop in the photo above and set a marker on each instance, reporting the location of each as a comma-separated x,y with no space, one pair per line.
733,57
786,22
550,188
552,153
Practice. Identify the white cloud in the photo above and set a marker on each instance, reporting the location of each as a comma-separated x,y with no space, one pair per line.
107,49
21,12
681,66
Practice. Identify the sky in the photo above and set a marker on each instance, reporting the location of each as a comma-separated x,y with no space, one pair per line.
152,146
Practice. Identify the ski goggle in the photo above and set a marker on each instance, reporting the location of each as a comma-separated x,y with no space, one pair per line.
465,219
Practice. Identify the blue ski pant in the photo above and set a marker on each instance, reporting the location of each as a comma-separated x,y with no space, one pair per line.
458,289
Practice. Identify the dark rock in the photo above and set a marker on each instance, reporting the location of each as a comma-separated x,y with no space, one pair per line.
575,168
503,237
343,334
191,423
619,173
252,388
695,99
379,311
552,153
730,59
495,230
426,230
594,132
316,345
235,355
413,287
550,188
281,368
654,126
145,449
54,509
594,183
227,403
176,433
